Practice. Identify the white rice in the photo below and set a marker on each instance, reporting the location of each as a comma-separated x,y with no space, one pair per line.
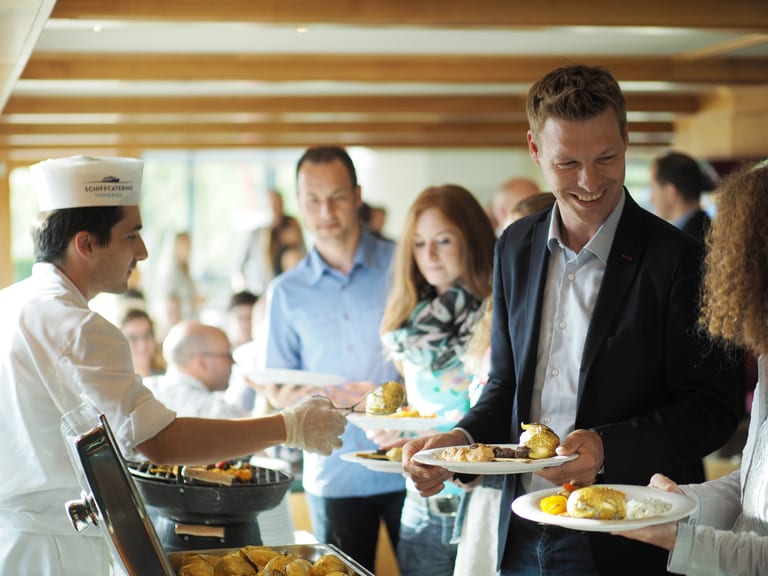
646,508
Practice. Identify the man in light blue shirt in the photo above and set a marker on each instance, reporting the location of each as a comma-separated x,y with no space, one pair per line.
324,315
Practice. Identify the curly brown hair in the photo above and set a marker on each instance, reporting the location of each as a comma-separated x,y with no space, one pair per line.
734,303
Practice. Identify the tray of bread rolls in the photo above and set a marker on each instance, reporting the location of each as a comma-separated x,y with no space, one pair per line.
294,559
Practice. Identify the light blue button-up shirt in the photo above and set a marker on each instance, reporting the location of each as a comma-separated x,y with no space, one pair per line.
570,293
323,320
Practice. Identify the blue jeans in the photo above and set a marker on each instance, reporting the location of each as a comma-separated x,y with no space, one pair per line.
426,536
534,550
352,524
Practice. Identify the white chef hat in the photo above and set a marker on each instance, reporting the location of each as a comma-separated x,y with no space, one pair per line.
82,181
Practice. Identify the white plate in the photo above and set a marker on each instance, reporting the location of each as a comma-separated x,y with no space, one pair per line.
295,377
367,422
432,458
372,463
528,507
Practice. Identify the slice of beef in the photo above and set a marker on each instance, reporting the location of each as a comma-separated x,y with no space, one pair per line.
519,452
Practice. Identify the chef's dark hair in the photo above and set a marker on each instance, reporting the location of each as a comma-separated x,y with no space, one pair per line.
327,154
53,230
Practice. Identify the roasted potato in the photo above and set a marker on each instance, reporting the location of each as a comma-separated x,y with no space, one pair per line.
540,440
258,555
328,564
233,565
197,568
385,399
180,560
278,566
395,454
299,567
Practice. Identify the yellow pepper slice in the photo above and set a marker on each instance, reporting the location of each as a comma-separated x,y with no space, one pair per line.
554,504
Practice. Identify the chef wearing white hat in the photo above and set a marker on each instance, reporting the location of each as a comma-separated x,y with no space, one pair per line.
54,350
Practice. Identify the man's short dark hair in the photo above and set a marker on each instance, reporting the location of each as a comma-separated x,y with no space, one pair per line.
575,93
684,173
326,154
136,314
241,299
53,230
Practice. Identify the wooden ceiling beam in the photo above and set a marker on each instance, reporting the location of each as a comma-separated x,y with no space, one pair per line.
727,47
380,68
743,15
128,127
461,141
471,105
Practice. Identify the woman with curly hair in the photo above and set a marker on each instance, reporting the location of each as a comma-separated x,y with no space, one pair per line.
442,278
729,533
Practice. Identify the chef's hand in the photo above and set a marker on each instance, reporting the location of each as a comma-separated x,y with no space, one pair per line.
661,535
429,480
583,470
314,426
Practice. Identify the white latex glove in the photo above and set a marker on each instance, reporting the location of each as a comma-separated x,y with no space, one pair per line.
314,426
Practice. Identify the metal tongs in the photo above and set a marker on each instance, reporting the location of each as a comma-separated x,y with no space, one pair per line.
381,401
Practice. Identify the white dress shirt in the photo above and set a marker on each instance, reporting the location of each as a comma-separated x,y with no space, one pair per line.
571,289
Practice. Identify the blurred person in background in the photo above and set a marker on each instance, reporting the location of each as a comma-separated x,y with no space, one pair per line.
442,279
180,297
139,330
239,317
199,363
286,245
262,259
677,183
510,193
373,218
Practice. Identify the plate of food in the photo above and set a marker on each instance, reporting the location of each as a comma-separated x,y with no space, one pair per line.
404,419
488,459
378,460
604,507
294,377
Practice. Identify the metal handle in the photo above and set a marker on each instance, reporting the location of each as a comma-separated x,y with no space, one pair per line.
83,513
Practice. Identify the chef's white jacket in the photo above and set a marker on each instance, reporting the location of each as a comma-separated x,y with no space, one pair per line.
53,348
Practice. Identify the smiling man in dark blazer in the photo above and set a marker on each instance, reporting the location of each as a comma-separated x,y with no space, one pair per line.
594,333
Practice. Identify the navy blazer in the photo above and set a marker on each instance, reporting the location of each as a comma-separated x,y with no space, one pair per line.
660,395
697,225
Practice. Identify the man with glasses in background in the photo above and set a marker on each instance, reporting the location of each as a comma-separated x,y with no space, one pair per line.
199,366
